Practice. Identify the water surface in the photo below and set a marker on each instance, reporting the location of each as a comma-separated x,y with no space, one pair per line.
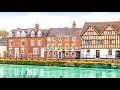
30,71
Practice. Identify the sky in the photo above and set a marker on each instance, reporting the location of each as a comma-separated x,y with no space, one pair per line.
46,20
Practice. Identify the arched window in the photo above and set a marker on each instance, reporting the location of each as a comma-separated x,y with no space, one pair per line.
10,34
18,34
23,34
32,34
39,33
110,52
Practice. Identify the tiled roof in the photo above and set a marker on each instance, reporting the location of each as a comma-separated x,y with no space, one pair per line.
29,30
100,26
63,32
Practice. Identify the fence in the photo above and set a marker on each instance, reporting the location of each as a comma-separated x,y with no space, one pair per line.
38,56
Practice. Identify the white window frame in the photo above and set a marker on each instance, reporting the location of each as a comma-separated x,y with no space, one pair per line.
54,53
74,53
23,51
35,50
53,46
10,51
73,45
60,45
39,42
21,43
60,38
67,38
32,34
48,46
23,34
39,33
66,47
32,44
53,38
73,38
11,42
10,34
48,53
66,52
18,34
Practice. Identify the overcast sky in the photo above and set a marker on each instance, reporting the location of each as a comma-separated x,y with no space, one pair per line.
13,20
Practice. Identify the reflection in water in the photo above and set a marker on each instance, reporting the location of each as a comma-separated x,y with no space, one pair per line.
29,71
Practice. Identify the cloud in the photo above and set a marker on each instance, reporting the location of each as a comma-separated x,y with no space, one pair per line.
54,21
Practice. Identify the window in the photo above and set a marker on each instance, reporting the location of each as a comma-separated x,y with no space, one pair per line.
54,53
110,41
23,34
39,33
53,38
10,51
73,53
89,33
110,52
10,34
66,46
73,38
32,43
88,42
22,43
60,46
60,38
88,52
18,34
48,53
22,50
39,42
49,46
53,46
74,46
66,53
66,38
10,43
35,50
32,34
99,42
48,38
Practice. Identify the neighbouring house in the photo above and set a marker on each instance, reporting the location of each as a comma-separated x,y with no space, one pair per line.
64,42
101,40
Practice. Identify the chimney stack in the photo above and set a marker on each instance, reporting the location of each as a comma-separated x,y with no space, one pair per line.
74,24
36,26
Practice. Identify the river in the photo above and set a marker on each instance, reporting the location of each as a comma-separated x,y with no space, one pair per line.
30,71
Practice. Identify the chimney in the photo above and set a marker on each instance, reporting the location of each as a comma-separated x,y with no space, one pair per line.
36,26
74,24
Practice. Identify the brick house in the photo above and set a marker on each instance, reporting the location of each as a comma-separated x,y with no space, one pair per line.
64,42
48,43
28,42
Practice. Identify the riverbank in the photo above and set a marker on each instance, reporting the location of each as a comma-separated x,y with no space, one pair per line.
66,63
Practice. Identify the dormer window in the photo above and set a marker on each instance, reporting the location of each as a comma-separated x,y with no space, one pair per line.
18,34
39,33
10,34
23,34
32,34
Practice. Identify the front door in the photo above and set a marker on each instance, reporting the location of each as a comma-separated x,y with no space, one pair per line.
60,55
77,55
16,52
97,53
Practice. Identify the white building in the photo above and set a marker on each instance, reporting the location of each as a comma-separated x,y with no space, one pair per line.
100,40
